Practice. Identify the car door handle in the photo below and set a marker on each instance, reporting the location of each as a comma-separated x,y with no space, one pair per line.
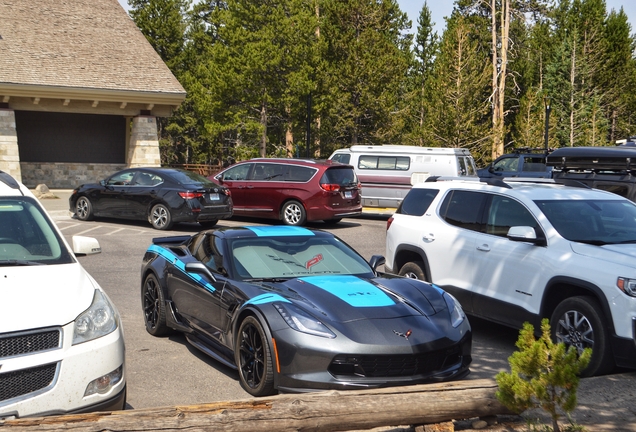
484,248
428,237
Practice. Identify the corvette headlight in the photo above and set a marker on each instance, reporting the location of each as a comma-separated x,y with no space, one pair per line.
96,321
457,314
303,322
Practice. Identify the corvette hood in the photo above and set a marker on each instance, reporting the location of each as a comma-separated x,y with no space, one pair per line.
42,296
349,298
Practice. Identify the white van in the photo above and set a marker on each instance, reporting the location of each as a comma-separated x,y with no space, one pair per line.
387,172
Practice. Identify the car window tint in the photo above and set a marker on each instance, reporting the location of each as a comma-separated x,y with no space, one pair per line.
401,163
464,209
618,189
121,179
417,201
342,158
504,213
299,173
343,176
238,172
268,171
147,179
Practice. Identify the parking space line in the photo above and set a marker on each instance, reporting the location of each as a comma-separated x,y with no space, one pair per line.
69,226
88,230
116,231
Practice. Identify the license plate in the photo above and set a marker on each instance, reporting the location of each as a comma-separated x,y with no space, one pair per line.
214,197
348,194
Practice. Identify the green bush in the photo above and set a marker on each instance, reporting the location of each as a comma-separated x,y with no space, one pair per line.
543,375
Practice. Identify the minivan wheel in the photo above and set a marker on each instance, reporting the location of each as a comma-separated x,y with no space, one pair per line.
294,213
413,270
579,322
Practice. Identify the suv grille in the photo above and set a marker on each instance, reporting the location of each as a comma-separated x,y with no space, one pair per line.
21,382
27,343
394,365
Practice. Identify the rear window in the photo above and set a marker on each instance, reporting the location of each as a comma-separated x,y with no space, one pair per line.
342,176
417,201
189,177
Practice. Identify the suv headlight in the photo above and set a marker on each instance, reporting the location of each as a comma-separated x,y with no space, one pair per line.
457,314
96,321
628,286
303,322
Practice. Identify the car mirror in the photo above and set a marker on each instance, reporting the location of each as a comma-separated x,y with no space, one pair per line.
524,234
376,261
85,246
102,182
200,268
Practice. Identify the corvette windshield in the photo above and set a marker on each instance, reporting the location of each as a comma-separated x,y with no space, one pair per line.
27,237
289,257
596,222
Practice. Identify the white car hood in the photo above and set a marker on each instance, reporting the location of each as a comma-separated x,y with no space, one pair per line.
622,254
43,295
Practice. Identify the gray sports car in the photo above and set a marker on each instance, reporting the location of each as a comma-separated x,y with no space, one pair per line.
297,310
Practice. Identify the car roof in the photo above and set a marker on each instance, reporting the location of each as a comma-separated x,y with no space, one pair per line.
9,186
524,188
269,231
302,162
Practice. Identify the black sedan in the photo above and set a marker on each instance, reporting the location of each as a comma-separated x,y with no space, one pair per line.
296,310
162,196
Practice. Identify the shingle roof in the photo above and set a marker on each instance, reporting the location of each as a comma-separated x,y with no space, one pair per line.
87,44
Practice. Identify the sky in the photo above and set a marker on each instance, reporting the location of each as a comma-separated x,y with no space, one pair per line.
443,8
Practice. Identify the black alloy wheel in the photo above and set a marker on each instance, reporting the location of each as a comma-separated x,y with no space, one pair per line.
154,307
253,358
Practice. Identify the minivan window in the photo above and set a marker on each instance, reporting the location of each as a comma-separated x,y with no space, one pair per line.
299,173
417,201
401,163
239,172
269,171
464,209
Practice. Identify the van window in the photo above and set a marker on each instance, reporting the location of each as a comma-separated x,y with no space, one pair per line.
466,166
401,163
342,158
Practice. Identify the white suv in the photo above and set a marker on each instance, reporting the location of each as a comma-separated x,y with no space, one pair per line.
518,251
61,340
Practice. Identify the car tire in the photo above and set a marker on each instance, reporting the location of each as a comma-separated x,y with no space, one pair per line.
154,307
413,270
579,322
209,224
84,208
253,358
160,217
294,213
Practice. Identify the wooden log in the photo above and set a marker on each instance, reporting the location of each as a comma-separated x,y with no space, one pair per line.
320,411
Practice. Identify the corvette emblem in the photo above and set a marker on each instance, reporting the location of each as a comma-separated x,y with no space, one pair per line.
404,335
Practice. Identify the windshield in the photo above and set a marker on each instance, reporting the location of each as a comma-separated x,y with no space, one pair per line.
592,221
27,236
295,256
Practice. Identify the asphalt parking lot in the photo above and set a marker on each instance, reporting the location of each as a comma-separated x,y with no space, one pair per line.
168,371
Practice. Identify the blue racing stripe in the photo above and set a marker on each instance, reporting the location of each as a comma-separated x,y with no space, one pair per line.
352,290
180,265
279,231
267,298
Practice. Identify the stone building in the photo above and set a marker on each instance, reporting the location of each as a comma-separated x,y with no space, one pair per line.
80,92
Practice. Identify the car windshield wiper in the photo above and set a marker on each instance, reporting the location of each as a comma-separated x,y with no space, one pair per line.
13,262
266,280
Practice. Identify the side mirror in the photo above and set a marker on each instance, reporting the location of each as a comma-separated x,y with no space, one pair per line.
525,234
376,261
197,267
85,246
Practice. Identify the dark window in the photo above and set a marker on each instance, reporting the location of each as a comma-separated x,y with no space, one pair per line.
504,213
417,202
618,189
238,172
464,209
269,171
342,158
401,163
299,173
342,176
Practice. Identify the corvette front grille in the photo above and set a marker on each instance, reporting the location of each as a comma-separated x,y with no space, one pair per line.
383,366
25,381
15,344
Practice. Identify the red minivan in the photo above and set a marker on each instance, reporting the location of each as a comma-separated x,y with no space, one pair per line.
293,190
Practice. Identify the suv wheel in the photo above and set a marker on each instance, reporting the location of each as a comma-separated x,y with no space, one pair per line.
579,322
413,270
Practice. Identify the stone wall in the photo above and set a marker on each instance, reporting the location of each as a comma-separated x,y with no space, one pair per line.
65,175
9,152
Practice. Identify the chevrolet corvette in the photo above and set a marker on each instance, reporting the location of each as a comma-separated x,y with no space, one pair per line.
296,310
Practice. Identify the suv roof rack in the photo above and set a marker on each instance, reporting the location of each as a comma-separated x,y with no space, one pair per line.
9,180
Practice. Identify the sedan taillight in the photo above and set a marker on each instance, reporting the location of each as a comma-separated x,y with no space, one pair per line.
190,195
